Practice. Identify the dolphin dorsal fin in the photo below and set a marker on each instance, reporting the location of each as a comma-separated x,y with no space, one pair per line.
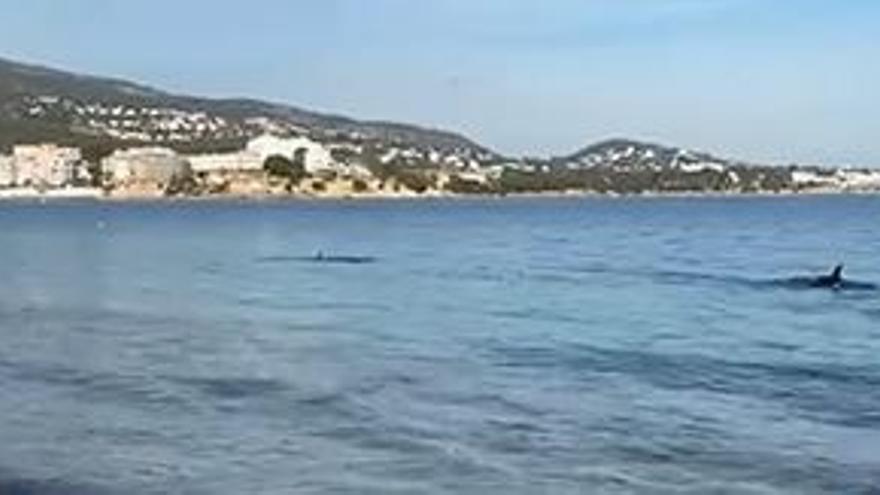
837,273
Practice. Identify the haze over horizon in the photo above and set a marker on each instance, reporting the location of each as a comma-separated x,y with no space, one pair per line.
788,82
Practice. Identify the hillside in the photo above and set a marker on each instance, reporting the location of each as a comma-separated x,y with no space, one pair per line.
628,166
39,103
98,115
626,154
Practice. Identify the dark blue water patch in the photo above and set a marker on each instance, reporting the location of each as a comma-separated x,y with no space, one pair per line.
778,346
17,485
839,394
234,387
40,487
593,268
210,268
872,313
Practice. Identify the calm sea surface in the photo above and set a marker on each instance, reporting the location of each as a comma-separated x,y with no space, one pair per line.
500,346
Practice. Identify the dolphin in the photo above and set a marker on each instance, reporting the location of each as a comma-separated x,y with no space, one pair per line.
321,257
833,281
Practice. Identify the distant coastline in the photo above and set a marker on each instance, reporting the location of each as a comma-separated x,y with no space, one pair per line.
72,136
96,194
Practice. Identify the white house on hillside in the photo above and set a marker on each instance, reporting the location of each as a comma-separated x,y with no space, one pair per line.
316,157
239,161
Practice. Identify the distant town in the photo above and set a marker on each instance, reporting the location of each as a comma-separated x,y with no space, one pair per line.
66,135
272,165
268,165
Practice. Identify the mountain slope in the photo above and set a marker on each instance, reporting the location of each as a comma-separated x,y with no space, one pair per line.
43,103
626,154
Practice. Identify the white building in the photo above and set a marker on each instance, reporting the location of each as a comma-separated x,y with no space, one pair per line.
839,179
316,157
697,167
7,171
152,164
860,179
812,178
472,176
45,164
239,161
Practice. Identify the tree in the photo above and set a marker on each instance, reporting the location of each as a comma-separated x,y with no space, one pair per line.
299,158
182,185
344,156
359,186
415,181
93,153
280,166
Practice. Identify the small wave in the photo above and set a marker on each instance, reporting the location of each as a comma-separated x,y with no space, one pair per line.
537,314
690,278
271,302
93,385
845,395
660,276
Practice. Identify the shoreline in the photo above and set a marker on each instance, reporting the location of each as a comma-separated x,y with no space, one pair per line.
94,194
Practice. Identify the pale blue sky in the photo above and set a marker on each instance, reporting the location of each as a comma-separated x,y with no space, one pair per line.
773,80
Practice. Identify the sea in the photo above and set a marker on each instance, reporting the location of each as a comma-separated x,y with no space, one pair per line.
499,345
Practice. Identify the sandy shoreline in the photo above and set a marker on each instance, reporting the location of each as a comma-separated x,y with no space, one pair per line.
66,193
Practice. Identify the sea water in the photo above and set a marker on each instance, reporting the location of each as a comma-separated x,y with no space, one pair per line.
488,346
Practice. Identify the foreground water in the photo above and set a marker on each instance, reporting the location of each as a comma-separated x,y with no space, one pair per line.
516,346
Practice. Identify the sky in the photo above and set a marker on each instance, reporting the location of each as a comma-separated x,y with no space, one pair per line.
777,81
